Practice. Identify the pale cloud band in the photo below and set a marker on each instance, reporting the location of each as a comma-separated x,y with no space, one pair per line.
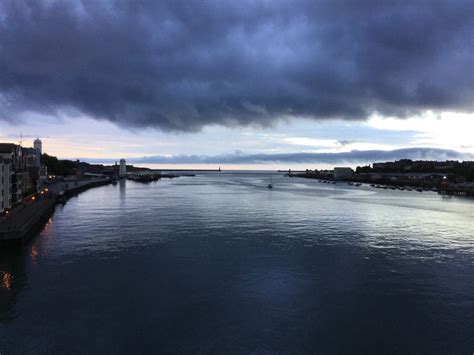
355,156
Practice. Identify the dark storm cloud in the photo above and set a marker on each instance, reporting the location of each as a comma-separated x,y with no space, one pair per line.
355,156
180,65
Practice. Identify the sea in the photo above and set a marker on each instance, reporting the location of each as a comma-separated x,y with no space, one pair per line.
220,264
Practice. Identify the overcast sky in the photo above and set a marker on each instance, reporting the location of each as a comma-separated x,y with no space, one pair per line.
239,83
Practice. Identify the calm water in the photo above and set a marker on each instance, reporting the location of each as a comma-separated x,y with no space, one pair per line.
218,263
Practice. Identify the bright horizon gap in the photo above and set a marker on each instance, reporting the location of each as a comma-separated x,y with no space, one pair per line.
223,167
70,138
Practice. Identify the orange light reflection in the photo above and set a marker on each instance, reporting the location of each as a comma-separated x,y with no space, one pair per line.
34,253
7,280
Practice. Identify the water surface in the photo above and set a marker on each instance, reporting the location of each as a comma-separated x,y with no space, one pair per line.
218,263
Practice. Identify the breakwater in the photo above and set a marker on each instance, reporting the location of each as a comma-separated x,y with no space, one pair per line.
25,220
73,188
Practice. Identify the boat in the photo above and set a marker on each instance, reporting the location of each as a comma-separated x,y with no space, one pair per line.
270,186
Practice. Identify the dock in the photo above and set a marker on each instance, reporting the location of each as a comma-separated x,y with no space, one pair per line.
466,190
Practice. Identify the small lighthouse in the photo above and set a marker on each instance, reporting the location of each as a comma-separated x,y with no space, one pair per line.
123,168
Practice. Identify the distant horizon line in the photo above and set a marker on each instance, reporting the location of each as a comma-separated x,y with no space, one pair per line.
353,157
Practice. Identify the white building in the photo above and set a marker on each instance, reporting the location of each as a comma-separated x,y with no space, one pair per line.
38,147
123,168
5,184
13,155
342,172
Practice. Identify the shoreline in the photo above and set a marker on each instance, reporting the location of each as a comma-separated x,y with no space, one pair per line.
452,190
21,225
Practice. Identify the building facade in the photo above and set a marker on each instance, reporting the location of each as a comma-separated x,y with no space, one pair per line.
24,171
13,153
5,185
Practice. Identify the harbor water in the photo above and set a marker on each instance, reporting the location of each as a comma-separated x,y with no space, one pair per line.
220,264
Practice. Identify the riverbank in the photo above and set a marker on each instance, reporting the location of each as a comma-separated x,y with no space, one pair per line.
444,188
23,221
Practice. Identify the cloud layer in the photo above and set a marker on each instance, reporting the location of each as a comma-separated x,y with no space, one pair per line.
352,157
181,65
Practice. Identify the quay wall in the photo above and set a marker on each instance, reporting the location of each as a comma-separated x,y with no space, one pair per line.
19,227
83,186
24,221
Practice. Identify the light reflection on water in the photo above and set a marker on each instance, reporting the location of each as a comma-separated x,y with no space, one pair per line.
218,263
7,279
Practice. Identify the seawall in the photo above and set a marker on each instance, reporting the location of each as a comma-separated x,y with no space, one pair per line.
18,227
73,190
26,220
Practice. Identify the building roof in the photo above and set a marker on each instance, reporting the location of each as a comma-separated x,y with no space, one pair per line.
29,150
7,147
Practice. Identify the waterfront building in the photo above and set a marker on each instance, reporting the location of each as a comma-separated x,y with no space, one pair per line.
123,168
342,172
29,157
38,147
14,154
32,170
23,168
5,184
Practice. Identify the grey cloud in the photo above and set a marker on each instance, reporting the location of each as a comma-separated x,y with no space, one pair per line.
355,156
181,65
344,142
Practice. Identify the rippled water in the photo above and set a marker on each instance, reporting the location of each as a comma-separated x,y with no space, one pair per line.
218,263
